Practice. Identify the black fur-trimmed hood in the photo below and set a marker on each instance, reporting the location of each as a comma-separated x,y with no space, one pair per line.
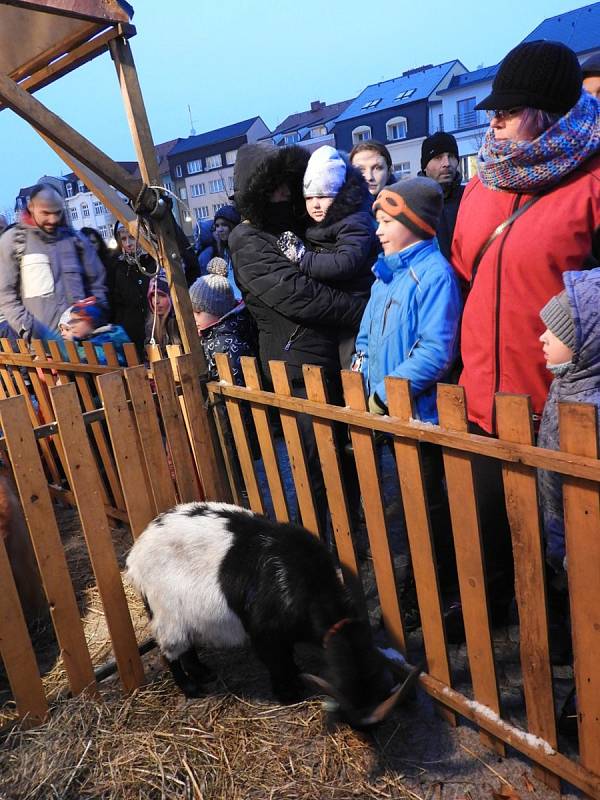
262,168
352,197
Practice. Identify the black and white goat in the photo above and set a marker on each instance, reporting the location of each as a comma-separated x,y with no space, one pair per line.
217,575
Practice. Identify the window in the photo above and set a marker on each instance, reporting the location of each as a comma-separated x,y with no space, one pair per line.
103,230
216,207
214,162
218,185
99,208
80,187
69,190
372,103
440,122
318,130
197,189
361,134
396,128
405,94
201,213
168,185
178,171
194,166
230,156
183,193
467,166
291,138
85,210
74,214
402,170
465,113
230,183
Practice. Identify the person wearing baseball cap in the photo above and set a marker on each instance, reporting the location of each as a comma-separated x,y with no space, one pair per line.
439,161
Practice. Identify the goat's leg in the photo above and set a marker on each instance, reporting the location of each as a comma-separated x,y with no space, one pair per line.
189,673
195,668
278,657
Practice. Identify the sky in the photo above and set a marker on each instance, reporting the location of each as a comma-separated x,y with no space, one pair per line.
237,59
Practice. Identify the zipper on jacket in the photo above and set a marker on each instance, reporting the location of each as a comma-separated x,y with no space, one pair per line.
293,336
516,204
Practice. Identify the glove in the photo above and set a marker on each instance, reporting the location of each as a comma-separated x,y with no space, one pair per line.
291,246
376,404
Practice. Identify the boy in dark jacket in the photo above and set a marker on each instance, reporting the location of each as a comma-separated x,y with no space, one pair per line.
341,242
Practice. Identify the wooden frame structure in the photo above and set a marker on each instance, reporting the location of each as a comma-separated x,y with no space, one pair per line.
43,40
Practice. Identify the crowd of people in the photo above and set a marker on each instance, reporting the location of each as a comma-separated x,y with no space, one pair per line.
327,259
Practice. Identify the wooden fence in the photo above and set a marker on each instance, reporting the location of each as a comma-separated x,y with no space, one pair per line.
577,462
144,426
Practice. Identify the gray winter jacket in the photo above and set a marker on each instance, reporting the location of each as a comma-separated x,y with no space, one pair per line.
41,275
580,384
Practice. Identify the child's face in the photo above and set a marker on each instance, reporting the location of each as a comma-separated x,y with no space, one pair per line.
204,320
393,235
162,302
79,328
555,351
222,230
66,332
317,207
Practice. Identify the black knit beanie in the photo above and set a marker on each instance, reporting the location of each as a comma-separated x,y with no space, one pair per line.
415,202
435,145
542,75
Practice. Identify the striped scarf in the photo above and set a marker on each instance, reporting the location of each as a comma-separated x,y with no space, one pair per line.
533,166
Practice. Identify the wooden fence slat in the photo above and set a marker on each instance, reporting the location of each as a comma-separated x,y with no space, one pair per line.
131,354
126,446
179,444
514,424
460,482
367,467
242,442
335,488
579,435
296,454
86,485
110,354
87,399
418,528
202,440
266,443
157,466
45,537
16,650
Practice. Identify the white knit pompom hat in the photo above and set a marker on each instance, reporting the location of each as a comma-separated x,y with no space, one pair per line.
325,173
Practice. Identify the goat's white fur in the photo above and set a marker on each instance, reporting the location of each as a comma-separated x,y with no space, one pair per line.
175,565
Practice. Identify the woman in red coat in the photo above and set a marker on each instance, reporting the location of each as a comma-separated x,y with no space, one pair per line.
532,213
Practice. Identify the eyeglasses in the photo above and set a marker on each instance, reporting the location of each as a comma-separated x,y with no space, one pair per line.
501,113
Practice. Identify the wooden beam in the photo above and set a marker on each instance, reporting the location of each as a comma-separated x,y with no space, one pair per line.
45,121
107,10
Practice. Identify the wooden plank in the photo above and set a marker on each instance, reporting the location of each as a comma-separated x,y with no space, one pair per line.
579,434
295,449
85,482
16,650
565,463
203,438
47,544
148,426
514,424
460,482
131,354
124,438
242,442
335,488
177,439
31,110
420,537
370,487
108,11
266,443
104,452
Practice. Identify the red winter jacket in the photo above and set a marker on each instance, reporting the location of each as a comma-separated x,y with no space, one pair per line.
516,277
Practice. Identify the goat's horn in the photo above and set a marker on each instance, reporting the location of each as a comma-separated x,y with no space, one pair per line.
383,709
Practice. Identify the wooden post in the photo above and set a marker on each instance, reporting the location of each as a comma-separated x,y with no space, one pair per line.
513,415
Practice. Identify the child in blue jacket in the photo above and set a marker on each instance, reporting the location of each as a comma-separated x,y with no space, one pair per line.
410,330
83,322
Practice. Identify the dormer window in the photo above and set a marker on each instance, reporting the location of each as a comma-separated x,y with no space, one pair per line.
396,128
372,103
361,134
291,138
318,130
405,94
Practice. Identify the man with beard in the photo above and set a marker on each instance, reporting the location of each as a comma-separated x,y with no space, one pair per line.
439,160
45,267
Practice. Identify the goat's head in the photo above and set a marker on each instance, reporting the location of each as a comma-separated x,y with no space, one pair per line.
364,686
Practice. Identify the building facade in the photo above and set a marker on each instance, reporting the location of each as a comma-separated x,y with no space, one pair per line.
310,129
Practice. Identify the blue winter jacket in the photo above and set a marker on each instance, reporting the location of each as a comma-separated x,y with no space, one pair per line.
107,334
410,325
580,384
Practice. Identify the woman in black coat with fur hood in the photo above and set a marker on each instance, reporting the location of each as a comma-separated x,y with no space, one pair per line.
297,316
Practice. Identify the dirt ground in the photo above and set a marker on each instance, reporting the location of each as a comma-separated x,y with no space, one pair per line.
237,743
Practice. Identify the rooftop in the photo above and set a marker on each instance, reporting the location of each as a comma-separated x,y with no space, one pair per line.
579,29
319,114
213,137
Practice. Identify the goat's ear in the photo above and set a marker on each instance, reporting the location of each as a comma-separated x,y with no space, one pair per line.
384,709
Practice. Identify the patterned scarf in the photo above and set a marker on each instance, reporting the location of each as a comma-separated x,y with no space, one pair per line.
533,166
